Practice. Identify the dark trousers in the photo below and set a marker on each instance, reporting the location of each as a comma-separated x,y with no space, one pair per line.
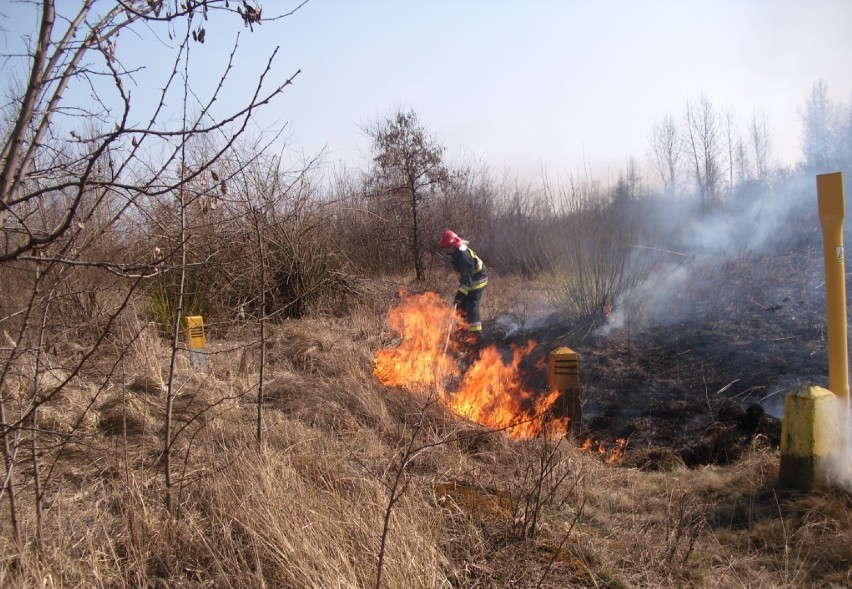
470,309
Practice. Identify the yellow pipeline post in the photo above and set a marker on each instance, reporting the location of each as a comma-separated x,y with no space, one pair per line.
831,213
816,420
564,375
809,438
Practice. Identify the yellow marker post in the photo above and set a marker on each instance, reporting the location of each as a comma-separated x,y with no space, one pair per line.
831,213
564,375
809,438
197,341
816,421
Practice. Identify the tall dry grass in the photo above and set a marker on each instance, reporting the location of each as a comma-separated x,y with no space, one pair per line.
307,508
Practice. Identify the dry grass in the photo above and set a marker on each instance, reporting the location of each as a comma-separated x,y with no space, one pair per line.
306,508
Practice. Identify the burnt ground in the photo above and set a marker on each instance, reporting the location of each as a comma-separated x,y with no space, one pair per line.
704,380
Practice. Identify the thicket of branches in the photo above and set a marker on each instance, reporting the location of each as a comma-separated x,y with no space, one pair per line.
108,210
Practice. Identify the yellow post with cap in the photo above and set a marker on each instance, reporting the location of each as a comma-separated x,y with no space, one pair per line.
564,375
809,438
816,421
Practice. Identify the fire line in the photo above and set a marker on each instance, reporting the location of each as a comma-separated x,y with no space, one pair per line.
487,390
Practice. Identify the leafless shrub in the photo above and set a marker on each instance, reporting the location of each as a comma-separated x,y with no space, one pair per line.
596,253
512,242
271,252
88,213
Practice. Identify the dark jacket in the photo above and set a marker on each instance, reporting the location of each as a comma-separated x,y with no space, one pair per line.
471,269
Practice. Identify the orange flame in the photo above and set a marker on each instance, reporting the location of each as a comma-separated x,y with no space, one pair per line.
611,455
491,391
423,358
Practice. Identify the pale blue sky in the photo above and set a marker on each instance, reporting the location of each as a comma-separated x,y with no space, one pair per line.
553,83
526,85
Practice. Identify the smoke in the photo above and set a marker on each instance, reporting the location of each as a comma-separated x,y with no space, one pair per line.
510,325
840,464
705,259
750,266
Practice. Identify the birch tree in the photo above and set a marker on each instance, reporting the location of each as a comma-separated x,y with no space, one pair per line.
702,140
666,152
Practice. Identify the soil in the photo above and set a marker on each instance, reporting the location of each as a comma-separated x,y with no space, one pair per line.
706,381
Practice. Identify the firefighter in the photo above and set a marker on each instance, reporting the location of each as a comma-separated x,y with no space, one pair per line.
472,280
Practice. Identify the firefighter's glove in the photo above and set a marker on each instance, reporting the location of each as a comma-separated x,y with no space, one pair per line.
458,299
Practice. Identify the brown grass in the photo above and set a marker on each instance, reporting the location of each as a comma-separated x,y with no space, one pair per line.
306,508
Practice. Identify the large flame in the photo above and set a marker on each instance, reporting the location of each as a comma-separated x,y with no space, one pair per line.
491,390
425,356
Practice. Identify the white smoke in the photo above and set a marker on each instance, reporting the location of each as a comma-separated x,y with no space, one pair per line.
510,325
840,463
690,244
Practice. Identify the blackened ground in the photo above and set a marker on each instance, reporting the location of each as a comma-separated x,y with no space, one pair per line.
704,388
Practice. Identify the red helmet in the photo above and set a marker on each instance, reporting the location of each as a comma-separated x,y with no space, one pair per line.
450,239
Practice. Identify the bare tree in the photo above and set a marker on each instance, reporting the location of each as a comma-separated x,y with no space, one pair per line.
741,162
703,146
845,134
77,178
761,143
408,170
820,122
666,152
731,141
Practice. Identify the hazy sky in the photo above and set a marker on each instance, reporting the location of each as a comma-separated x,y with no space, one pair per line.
526,85
522,85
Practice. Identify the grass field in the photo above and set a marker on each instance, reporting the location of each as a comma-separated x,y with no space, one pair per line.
357,484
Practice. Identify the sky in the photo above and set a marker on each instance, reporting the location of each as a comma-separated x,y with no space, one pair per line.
558,85
563,85
524,87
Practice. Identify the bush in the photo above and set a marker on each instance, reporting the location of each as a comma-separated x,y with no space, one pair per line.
164,301
594,258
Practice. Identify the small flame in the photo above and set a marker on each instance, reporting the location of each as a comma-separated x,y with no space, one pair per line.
611,455
491,392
